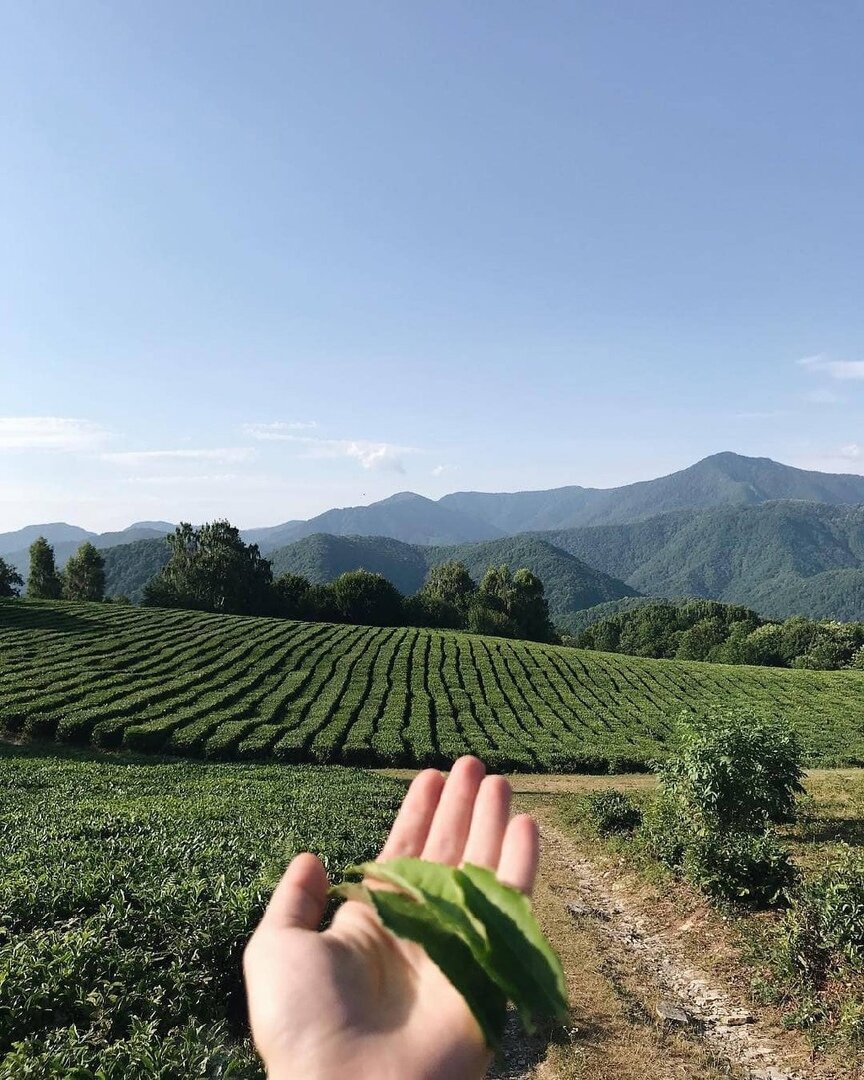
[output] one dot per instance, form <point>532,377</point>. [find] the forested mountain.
<point>781,558</point>
<point>725,479</point>
<point>405,516</point>
<point>323,557</point>
<point>569,583</point>
<point>141,531</point>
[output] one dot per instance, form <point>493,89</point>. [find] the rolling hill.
<point>225,686</point>
<point>780,558</point>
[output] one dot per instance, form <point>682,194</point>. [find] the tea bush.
<point>612,811</point>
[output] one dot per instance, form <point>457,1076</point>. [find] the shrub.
<point>736,774</point>
<point>612,811</point>
<point>741,867</point>
<point>824,926</point>
<point>736,770</point>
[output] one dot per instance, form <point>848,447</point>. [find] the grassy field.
<point>249,688</point>
<point>127,891</point>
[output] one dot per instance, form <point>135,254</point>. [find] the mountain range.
<point>746,530</point>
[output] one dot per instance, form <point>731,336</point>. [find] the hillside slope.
<point>570,583</point>
<point>235,687</point>
<point>724,479</point>
<point>405,516</point>
<point>779,558</point>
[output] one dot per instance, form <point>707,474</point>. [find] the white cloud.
<point>379,456</point>
<point>279,430</point>
<point>852,452</point>
<point>836,369</point>
<point>440,470</point>
<point>228,455</point>
<point>49,433</point>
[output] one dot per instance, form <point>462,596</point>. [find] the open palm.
<point>355,1002</point>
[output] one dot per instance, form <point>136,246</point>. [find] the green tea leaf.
<point>481,933</point>
<point>519,959</point>
<point>420,922</point>
<point>430,883</point>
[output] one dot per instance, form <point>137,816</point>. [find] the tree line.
<point>82,578</point>
<point>210,568</point>
<point>726,634</point>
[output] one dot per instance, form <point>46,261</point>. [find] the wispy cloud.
<point>50,433</point>
<point>765,414</point>
<point>440,470</point>
<point>852,452</point>
<point>380,456</point>
<point>278,431</point>
<point>836,369</point>
<point>226,455</point>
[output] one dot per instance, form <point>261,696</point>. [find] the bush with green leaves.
<point>824,926</point>
<point>736,775</point>
<point>735,770</point>
<point>739,867</point>
<point>612,811</point>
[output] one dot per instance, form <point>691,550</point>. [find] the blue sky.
<point>259,260</point>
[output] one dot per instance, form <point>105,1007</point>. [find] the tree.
<point>291,596</point>
<point>450,583</point>
<point>211,569</point>
<point>10,580</point>
<point>43,582</point>
<point>367,599</point>
<point>84,575</point>
<point>530,609</point>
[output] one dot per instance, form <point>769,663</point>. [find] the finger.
<point>449,829</point>
<point>298,901</point>
<point>411,826</point>
<point>520,853</point>
<point>491,811</point>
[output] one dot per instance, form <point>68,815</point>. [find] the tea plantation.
<point>127,893</point>
<point>234,687</point>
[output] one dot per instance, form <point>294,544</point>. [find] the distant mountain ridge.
<point>724,479</point>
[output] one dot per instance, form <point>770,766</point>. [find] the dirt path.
<point>645,1008</point>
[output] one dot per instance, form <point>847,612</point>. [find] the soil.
<point>655,985</point>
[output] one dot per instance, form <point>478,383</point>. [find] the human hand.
<point>354,1001</point>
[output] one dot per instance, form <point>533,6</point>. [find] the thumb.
<point>298,901</point>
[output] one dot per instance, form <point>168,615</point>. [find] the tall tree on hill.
<point>10,580</point>
<point>451,583</point>
<point>43,582</point>
<point>367,599</point>
<point>530,608</point>
<point>511,605</point>
<point>84,575</point>
<point>211,569</point>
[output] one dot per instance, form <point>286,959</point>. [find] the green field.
<point>236,687</point>
<point>127,893</point>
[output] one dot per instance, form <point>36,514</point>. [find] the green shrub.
<point>740,867</point>
<point>612,811</point>
<point>824,926</point>
<point>736,770</point>
<point>735,775</point>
